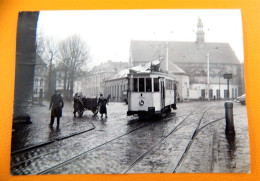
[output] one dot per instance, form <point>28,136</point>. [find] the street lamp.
<point>208,73</point>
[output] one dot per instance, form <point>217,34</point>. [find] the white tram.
<point>151,93</point>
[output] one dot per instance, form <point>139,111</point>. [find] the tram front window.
<point>135,88</point>
<point>156,84</point>
<point>148,85</point>
<point>141,84</point>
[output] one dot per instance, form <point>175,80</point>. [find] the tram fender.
<point>151,110</point>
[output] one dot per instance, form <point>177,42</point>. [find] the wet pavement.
<point>122,144</point>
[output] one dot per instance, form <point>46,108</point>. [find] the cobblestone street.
<point>122,144</point>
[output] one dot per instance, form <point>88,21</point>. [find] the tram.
<point>151,93</point>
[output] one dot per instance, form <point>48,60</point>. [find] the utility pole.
<point>208,72</point>
<point>167,57</point>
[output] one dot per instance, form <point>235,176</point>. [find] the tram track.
<point>92,149</point>
<point>59,138</point>
<point>194,135</point>
<point>110,141</point>
<point>89,150</point>
<point>75,157</point>
<point>175,128</point>
<point>156,144</point>
<point>190,142</point>
<point>78,156</point>
<point>48,143</point>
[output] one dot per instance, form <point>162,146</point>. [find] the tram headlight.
<point>141,102</point>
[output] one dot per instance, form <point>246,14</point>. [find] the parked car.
<point>241,99</point>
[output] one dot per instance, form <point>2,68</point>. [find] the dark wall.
<point>25,62</point>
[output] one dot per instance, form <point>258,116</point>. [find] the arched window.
<point>36,82</point>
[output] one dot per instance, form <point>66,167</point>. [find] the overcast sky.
<point>108,32</point>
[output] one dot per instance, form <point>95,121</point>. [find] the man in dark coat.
<point>78,103</point>
<point>56,106</point>
<point>102,105</point>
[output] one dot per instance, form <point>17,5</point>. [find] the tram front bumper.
<point>150,111</point>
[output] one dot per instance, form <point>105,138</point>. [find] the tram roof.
<point>142,70</point>
<point>153,73</point>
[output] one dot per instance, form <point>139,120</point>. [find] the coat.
<point>56,105</point>
<point>102,105</point>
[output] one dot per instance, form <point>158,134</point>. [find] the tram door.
<point>162,94</point>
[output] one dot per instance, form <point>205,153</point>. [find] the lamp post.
<point>208,73</point>
<point>219,85</point>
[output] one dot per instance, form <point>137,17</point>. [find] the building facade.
<point>40,79</point>
<point>193,58</point>
<point>94,83</point>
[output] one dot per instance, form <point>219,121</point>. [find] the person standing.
<point>102,105</point>
<point>56,106</point>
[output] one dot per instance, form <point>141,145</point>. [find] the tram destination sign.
<point>227,76</point>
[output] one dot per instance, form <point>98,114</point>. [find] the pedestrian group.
<point>57,104</point>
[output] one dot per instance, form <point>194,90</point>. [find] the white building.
<point>40,79</point>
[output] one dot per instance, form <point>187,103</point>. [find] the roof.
<point>39,61</point>
<point>182,52</point>
<point>175,69</point>
<point>146,68</point>
<point>109,66</point>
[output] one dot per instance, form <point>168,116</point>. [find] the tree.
<point>73,55</point>
<point>47,49</point>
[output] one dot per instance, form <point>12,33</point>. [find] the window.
<point>35,92</point>
<point>218,95</point>
<point>135,88</point>
<point>41,82</point>
<point>148,85</point>
<point>156,84</point>
<point>210,93</point>
<point>202,93</point>
<point>141,84</point>
<point>225,93</point>
<point>36,82</point>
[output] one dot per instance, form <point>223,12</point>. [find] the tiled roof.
<point>182,52</point>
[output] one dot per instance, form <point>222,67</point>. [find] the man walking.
<point>102,105</point>
<point>56,106</point>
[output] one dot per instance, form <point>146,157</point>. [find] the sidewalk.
<point>214,152</point>
<point>28,135</point>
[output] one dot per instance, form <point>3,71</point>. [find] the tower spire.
<point>200,33</point>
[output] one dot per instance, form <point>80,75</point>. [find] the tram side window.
<point>148,85</point>
<point>141,84</point>
<point>135,88</point>
<point>156,84</point>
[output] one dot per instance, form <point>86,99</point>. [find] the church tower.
<point>200,34</point>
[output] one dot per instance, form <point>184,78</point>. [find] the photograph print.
<point>129,91</point>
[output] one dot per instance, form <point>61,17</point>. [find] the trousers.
<point>52,121</point>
